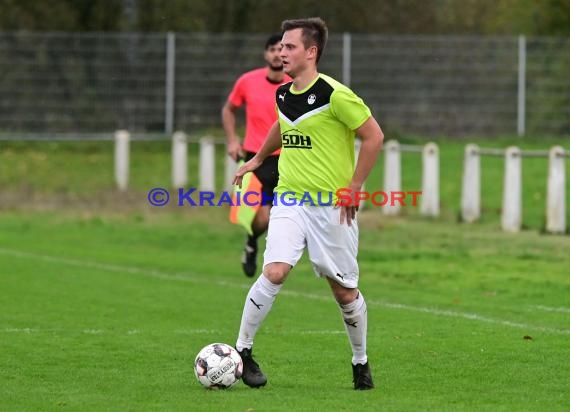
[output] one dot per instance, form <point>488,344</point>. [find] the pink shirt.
<point>258,94</point>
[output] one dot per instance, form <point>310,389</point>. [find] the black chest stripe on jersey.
<point>305,116</point>
<point>294,108</point>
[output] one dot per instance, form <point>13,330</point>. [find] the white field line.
<point>188,277</point>
<point>551,309</point>
<point>29,331</point>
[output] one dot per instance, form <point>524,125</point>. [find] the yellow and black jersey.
<point>317,135</point>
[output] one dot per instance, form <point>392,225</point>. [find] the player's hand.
<point>234,150</point>
<point>250,166</point>
<point>348,212</point>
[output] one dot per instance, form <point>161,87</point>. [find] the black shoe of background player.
<point>249,260</point>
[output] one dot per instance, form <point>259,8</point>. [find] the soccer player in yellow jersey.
<point>318,119</point>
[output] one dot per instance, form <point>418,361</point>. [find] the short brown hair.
<point>315,32</point>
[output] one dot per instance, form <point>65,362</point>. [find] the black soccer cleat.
<point>362,377</point>
<point>249,260</point>
<point>252,375</point>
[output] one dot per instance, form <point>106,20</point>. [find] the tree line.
<point>449,17</point>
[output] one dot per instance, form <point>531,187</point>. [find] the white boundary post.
<point>430,180</point>
<point>556,191</point>
<point>357,145</point>
<point>392,175</point>
<point>207,164</point>
<point>179,160</point>
<point>512,191</point>
<point>230,170</point>
<point>122,138</point>
<point>471,185</point>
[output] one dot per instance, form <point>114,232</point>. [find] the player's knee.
<point>344,296</point>
<point>276,272</point>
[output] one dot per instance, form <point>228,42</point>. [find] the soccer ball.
<point>218,366</point>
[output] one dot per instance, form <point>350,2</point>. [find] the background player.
<point>256,91</point>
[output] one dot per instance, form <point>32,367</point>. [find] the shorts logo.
<point>294,138</point>
<point>311,99</point>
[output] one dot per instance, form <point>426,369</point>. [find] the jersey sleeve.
<point>349,108</point>
<point>237,95</point>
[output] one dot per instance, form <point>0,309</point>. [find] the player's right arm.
<point>229,122</point>
<point>271,144</point>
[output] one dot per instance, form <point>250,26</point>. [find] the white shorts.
<point>332,247</point>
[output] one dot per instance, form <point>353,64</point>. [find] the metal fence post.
<point>346,56</point>
<point>169,86</point>
<point>521,107</point>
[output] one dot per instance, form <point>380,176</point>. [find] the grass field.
<point>106,300</point>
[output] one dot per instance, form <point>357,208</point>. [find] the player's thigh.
<point>332,246</point>
<point>285,236</point>
<point>261,218</point>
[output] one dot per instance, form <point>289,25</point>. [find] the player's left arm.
<point>372,139</point>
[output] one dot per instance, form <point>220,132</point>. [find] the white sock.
<point>356,322</point>
<point>257,305</point>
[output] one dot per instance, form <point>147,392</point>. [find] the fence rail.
<point>511,217</point>
<point>391,193</point>
<point>87,85</point>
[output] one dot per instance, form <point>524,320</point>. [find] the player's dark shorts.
<point>268,175</point>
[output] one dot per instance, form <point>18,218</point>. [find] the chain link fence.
<point>87,85</point>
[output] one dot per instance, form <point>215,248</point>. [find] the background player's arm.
<point>271,144</point>
<point>229,122</point>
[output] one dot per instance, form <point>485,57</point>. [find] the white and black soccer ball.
<point>218,366</point>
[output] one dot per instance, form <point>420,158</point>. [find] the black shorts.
<point>268,175</point>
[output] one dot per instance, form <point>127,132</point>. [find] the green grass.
<point>107,312</point>
<point>106,300</point>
